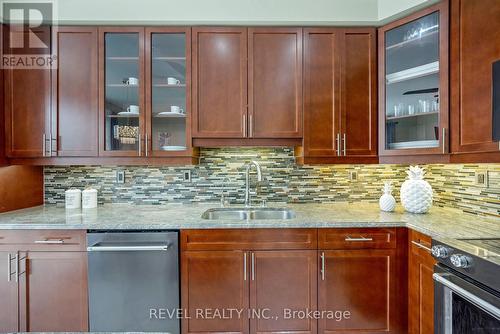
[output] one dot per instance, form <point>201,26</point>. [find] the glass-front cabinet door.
<point>415,86</point>
<point>167,97</point>
<point>121,97</point>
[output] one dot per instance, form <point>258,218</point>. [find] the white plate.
<point>171,114</point>
<point>173,148</point>
<point>128,113</point>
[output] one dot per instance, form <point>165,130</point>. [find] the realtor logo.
<point>26,34</point>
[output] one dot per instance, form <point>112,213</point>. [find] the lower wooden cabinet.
<point>420,284</point>
<point>8,295</point>
<point>215,280</point>
<point>357,286</point>
<point>46,290</point>
<point>284,284</point>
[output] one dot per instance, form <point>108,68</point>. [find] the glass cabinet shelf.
<point>413,73</point>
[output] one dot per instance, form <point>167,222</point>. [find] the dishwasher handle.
<point>127,248</point>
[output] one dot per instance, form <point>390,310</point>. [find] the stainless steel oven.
<point>466,290</point>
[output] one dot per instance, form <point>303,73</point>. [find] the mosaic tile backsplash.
<point>220,171</point>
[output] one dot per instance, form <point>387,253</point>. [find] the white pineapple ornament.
<point>416,193</point>
<point>387,202</point>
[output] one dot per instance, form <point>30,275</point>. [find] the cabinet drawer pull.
<point>444,141</point>
<point>146,143</point>
<point>244,125</point>
<point>339,151</point>
<point>50,241</point>
<point>348,238</point>
<point>9,267</point>
<point>419,245</point>
<point>250,125</point>
<point>16,258</point>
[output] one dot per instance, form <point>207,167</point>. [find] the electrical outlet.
<point>481,178</point>
<point>353,175</point>
<point>186,174</point>
<point>120,176</point>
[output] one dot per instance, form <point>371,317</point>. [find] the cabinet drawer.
<point>357,238</point>
<point>420,244</point>
<point>43,240</point>
<point>251,239</point>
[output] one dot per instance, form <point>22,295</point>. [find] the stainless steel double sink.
<point>248,213</point>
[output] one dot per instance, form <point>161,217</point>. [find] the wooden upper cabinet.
<point>358,92</point>
<point>414,85</point>
<point>360,286</point>
<point>475,46</point>
<point>420,284</point>
<point>322,92</point>
<point>27,110</point>
<point>215,280</point>
<point>219,82</point>
<point>75,92</point>
<point>122,91</point>
<point>282,281</point>
<point>275,82</point>
<point>340,94</point>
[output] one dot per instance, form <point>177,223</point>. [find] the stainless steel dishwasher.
<point>133,281</point>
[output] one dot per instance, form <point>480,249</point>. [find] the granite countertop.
<point>439,222</point>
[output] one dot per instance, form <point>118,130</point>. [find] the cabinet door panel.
<point>214,280</point>
<point>27,102</point>
<point>275,82</point>
<point>8,295</point>
<point>362,283</point>
<point>420,286</point>
<point>219,82</point>
<point>283,280</point>
<point>321,92</point>
<point>53,292</point>
<point>358,107</point>
<point>75,89</point>
<point>475,45</point>
<point>27,112</point>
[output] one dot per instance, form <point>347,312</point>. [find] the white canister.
<point>89,198</point>
<point>73,198</point>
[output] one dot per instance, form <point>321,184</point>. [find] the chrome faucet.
<point>248,166</point>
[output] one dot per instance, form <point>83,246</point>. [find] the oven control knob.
<point>461,261</point>
<point>440,252</point>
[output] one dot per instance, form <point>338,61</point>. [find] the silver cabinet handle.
<point>348,238</point>
<point>126,248</point>
<point>9,267</point>
<point>250,125</point>
<point>244,125</point>
<point>44,143</point>
<point>146,143</point>
<point>322,266</point>
<point>139,143</point>
<point>55,144</point>
<point>345,145</point>
<point>50,241</point>
<point>253,266</point>
<point>245,266</point>
<point>339,151</point>
<point>16,258</point>
<point>444,140</point>
<point>419,245</point>
<point>462,291</point>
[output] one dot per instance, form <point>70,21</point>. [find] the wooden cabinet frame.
<point>443,149</point>
<point>102,90</point>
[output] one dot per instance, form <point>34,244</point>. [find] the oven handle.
<point>462,291</point>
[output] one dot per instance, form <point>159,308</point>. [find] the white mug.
<point>176,109</point>
<point>131,81</point>
<point>173,81</point>
<point>133,109</point>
